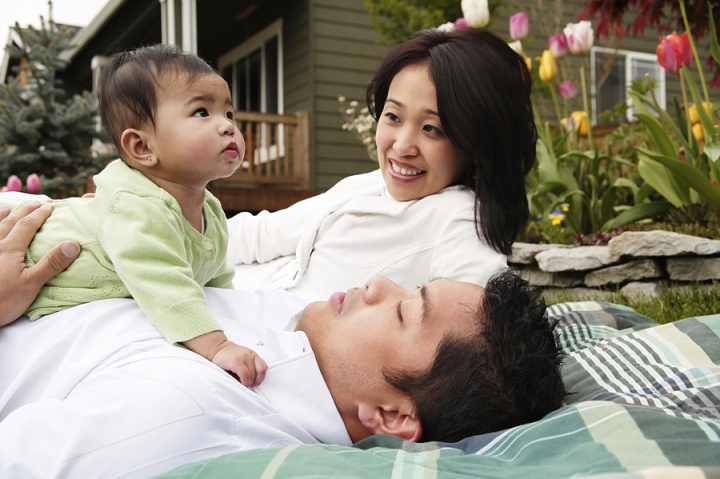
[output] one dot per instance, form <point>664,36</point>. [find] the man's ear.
<point>399,421</point>
<point>135,144</point>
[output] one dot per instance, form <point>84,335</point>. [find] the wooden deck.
<point>275,172</point>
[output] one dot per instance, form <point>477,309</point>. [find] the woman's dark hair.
<point>483,97</point>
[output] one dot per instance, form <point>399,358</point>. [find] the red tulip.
<point>33,183</point>
<point>674,51</point>
<point>14,183</point>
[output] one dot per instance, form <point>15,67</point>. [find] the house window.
<point>253,70</point>
<point>612,73</point>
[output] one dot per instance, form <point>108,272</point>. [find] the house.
<point>288,61</point>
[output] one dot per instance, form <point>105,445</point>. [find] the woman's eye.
<point>201,112</point>
<point>392,117</point>
<point>399,311</point>
<point>433,130</point>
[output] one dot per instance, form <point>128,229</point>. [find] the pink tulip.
<point>519,26</point>
<point>33,183</point>
<point>674,51</point>
<point>580,37</point>
<point>558,45</point>
<point>14,183</point>
<point>461,23</point>
<point>568,89</point>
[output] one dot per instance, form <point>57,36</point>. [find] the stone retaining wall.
<point>633,263</point>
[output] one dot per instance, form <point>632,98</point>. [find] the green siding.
<point>346,54</point>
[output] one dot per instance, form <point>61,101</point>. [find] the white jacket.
<point>356,230</point>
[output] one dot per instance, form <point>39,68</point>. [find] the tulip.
<point>579,36</point>
<point>674,51</point>
<point>461,23</point>
<point>568,89</point>
<point>33,183</point>
<point>558,45</point>
<point>693,115</point>
<point>519,26</point>
<point>579,122</point>
<point>517,47</point>
<point>14,183</point>
<point>698,131</point>
<point>476,12</point>
<point>528,63</point>
<point>548,67</point>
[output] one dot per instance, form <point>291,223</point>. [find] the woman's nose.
<point>405,143</point>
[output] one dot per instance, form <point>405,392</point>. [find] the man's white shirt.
<point>95,390</point>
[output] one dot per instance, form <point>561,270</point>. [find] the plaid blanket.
<point>644,403</point>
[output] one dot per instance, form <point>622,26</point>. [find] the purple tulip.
<point>14,183</point>
<point>519,26</point>
<point>568,89</point>
<point>558,45</point>
<point>33,183</point>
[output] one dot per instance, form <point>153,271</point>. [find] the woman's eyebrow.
<point>426,303</point>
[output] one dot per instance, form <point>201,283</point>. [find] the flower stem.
<point>586,102</point>
<point>694,50</point>
<point>555,101</point>
<point>685,104</point>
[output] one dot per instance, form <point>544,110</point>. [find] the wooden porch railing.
<point>276,169</point>
<point>277,149</point>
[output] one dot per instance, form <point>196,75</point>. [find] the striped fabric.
<point>644,403</point>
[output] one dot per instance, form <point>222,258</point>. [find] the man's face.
<point>358,334</point>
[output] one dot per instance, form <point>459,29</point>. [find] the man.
<point>443,362</point>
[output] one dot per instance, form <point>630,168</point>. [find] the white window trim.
<point>629,54</point>
<point>256,42</point>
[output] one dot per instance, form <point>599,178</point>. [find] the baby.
<point>153,231</point>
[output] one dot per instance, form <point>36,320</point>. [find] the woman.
<point>455,139</point>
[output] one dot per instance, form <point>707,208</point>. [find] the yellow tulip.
<point>548,67</point>
<point>698,132</point>
<point>528,63</point>
<point>580,122</point>
<point>693,115</point>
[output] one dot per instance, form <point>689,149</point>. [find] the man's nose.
<point>380,288</point>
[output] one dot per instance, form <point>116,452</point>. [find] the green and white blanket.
<point>645,403</point>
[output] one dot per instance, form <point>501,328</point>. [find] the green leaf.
<point>660,137</point>
<point>697,99</point>
<point>714,46</point>
<point>659,178</point>
<point>637,213</point>
<point>692,177</point>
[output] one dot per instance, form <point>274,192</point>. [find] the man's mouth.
<point>336,301</point>
<point>405,170</point>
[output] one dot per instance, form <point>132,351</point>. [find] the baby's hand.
<point>244,362</point>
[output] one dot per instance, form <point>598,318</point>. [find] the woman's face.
<point>415,156</point>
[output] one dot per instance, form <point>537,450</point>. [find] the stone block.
<point>661,243</point>
<point>622,273</point>
<point>693,269</point>
<point>579,258</point>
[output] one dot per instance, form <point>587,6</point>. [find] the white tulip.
<point>580,37</point>
<point>475,12</point>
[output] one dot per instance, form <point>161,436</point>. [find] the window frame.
<point>629,55</point>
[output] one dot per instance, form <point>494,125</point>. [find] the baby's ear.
<point>135,144</point>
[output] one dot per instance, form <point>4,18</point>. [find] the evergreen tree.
<point>42,131</point>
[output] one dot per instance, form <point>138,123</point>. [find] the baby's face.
<point>195,138</point>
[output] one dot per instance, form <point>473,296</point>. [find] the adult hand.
<point>19,285</point>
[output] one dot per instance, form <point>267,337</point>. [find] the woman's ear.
<point>397,420</point>
<point>136,147</point>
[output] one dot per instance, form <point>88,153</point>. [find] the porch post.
<point>189,26</point>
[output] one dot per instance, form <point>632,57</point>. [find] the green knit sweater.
<point>136,242</point>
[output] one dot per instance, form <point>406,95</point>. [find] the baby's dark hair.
<point>127,89</point>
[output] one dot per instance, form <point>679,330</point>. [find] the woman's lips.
<point>336,301</point>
